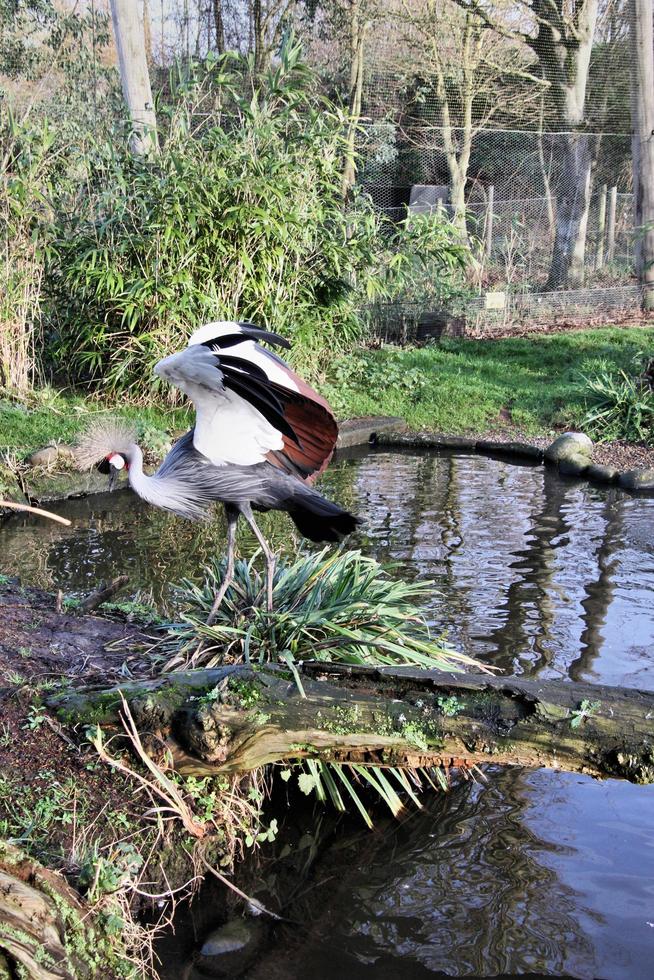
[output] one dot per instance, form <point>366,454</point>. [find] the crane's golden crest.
<point>103,438</point>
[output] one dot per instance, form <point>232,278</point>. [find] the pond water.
<point>535,871</point>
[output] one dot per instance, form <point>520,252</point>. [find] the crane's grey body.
<point>187,483</point>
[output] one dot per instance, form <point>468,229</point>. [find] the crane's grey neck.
<point>138,481</point>
<point>173,486</point>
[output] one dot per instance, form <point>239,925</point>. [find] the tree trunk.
<point>234,719</point>
<point>642,121</point>
<point>568,256</point>
<point>563,49</point>
<point>259,37</point>
<point>130,42</point>
<point>219,26</point>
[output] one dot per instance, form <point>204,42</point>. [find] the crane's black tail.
<point>319,519</point>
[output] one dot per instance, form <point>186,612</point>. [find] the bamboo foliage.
<point>22,205</point>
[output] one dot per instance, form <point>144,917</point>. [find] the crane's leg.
<point>232,520</point>
<point>268,552</point>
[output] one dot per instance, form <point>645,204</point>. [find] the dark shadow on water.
<point>531,874</point>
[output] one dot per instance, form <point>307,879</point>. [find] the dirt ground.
<point>43,651</point>
<point>39,643</point>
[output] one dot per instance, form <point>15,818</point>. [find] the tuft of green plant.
<point>341,784</point>
<point>585,710</point>
<point>333,607</point>
<point>619,406</point>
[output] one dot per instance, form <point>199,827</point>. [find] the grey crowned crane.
<point>261,436</point>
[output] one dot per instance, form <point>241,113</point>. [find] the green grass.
<point>458,386</point>
<point>463,386</point>
<point>49,416</point>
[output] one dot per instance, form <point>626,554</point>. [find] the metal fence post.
<point>601,228</point>
<point>610,235</point>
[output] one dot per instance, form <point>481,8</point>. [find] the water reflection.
<point>533,873</point>
<point>538,575</point>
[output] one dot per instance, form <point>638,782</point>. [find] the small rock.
<point>44,457</point>
<point>575,464</point>
<point>602,474</point>
<point>568,445</point>
<point>638,479</point>
<point>230,949</point>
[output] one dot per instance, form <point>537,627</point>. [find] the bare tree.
<point>473,73</point>
<point>560,33</point>
<point>642,116</point>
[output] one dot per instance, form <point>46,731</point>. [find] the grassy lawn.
<point>468,386</point>
<point>48,416</point>
<point>459,386</point>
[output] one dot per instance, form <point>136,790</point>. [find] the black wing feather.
<point>253,332</point>
<point>260,398</point>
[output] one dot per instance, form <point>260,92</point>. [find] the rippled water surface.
<point>539,872</point>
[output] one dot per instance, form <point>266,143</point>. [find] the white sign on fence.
<point>495,301</point>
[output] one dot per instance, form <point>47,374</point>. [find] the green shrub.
<point>619,406</point>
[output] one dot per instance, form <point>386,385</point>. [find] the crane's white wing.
<point>249,405</point>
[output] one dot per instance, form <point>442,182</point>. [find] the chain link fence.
<point>515,184</point>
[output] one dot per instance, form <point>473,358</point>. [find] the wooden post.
<point>642,127</point>
<point>488,247</point>
<point>601,228</point>
<point>130,42</point>
<point>610,234</point>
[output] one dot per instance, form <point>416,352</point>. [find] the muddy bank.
<point>100,831</point>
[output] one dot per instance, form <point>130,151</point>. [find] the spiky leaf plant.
<point>619,406</point>
<point>332,607</point>
<point>339,607</point>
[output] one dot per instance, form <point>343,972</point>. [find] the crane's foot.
<point>220,595</point>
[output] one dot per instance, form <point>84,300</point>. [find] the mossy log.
<point>45,930</point>
<point>235,719</point>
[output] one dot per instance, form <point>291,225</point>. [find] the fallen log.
<point>45,928</point>
<point>237,718</point>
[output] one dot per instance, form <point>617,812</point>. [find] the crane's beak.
<point>113,479</point>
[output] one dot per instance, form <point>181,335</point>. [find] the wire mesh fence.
<point>515,188</point>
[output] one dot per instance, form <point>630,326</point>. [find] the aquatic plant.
<point>332,607</point>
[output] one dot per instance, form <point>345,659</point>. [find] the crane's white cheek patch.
<point>117,461</point>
